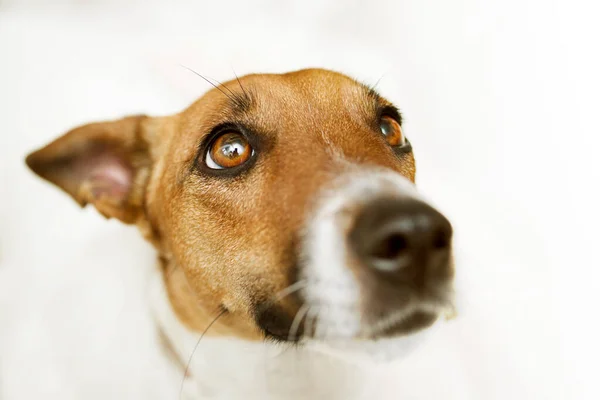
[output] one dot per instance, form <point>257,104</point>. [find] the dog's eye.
<point>228,150</point>
<point>392,131</point>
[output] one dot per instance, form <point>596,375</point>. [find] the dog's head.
<point>284,203</point>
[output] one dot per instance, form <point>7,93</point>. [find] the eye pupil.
<point>228,150</point>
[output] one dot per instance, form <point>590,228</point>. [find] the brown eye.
<point>392,131</point>
<point>228,150</point>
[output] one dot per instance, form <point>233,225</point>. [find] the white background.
<point>501,101</point>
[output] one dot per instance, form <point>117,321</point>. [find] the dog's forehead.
<point>278,98</point>
<point>317,85</point>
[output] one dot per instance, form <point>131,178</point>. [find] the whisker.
<point>225,86</point>
<point>374,86</point>
<point>240,83</point>
<point>211,83</point>
<point>187,367</point>
<point>297,321</point>
<point>277,297</point>
<point>310,319</point>
<point>322,330</point>
<point>294,287</point>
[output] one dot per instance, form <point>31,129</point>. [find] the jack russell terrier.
<point>287,226</point>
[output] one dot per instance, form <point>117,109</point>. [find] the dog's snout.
<point>403,237</point>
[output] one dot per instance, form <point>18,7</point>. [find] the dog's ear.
<point>106,164</point>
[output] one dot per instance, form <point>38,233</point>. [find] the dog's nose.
<point>401,237</point>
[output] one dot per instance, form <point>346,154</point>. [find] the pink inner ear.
<point>107,174</point>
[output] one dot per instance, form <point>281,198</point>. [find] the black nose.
<point>402,237</point>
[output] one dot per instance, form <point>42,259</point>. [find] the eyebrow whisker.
<point>212,84</point>
<point>374,86</point>
<point>225,86</point>
<point>240,83</point>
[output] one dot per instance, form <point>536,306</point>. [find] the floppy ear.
<point>106,164</point>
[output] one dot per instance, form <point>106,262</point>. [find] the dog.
<point>287,225</point>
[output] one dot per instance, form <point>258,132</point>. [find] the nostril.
<point>441,240</point>
<point>400,235</point>
<point>391,247</point>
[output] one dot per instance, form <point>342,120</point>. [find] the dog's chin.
<point>384,342</point>
<point>374,350</point>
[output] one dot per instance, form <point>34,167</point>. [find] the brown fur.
<point>228,242</point>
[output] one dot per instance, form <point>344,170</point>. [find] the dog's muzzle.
<point>378,260</point>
